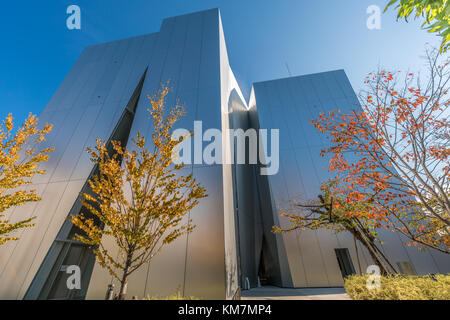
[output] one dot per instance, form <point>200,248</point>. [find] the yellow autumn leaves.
<point>19,162</point>
<point>138,198</point>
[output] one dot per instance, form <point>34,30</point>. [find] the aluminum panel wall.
<point>288,104</point>
<point>186,52</point>
<point>233,224</point>
<point>81,110</point>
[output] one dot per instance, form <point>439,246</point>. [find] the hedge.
<point>400,287</point>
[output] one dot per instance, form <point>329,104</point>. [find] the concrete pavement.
<point>276,293</point>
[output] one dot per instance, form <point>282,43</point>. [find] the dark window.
<point>56,285</point>
<point>345,262</point>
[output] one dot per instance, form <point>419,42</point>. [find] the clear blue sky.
<point>262,35</point>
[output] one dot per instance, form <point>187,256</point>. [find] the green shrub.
<point>400,287</point>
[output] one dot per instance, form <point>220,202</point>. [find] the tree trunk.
<point>384,257</point>
<point>357,256</point>
<point>384,270</point>
<point>377,250</point>
<point>124,281</point>
<point>123,287</point>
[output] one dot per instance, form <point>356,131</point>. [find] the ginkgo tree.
<point>139,197</point>
<point>394,153</point>
<point>20,157</point>
<point>436,14</point>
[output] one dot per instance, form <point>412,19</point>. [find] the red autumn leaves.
<point>393,155</point>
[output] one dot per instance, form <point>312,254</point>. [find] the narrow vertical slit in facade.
<point>345,262</point>
<point>262,276</point>
<point>50,280</point>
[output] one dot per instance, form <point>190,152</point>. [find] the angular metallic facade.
<point>104,96</point>
<point>289,104</point>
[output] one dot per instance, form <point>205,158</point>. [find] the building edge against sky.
<point>104,96</point>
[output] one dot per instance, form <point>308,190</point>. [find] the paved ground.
<point>276,293</point>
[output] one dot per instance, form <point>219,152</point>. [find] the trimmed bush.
<point>400,287</point>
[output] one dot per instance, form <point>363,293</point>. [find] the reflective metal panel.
<point>288,104</point>
<point>232,246</point>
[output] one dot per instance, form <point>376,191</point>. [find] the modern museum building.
<point>232,248</point>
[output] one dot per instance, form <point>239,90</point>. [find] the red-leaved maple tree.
<point>393,155</point>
